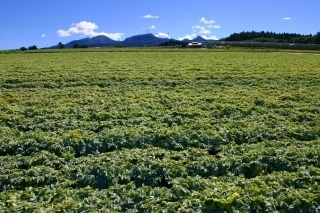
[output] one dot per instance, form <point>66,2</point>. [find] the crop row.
<point>174,131</point>
<point>214,178</point>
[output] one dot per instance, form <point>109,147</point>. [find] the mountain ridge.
<point>134,41</point>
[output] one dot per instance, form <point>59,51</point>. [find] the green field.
<point>129,130</point>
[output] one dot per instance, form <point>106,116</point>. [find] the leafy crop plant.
<point>159,130</point>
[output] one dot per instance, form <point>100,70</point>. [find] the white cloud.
<point>213,26</point>
<point>43,35</point>
<point>199,27</point>
<point>204,31</point>
<point>209,37</point>
<point>190,37</point>
<point>149,16</point>
<point>87,29</point>
<point>163,35</point>
<point>152,27</point>
<point>203,20</point>
<point>287,19</point>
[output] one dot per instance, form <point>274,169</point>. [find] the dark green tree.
<point>34,47</point>
<point>80,46</point>
<point>23,48</point>
<point>317,38</point>
<point>272,37</point>
<point>60,45</point>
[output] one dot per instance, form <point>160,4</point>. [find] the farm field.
<point>159,131</point>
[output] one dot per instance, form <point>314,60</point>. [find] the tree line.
<point>274,37</point>
<point>173,43</point>
<point>60,46</point>
<point>33,47</point>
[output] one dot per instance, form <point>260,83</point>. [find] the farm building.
<point>195,45</point>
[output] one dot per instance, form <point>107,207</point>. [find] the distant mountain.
<point>186,40</point>
<point>93,42</point>
<point>196,39</point>
<point>143,40</point>
<point>199,39</point>
<point>133,41</point>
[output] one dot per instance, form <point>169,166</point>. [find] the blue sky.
<point>47,22</point>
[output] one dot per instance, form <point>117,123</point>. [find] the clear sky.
<point>47,22</point>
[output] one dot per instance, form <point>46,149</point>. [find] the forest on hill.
<point>274,37</point>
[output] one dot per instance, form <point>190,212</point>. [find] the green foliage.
<point>80,46</point>
<point>60,45</point>
<point>8,51</point>
<point>125,130</point>
<point>23,48</point>
<point>33,47</point>
<point>273,37</point>
<point>317,38</point>
<point>174,43</point>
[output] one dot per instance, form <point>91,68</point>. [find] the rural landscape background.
<point>200,121</point>
<point>45,24</point>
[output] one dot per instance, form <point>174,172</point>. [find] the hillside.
<point>196,39</point>
<point>95,41</point>
<point>274,37</point>
<point>143,40</point>
<point>133,41</point>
